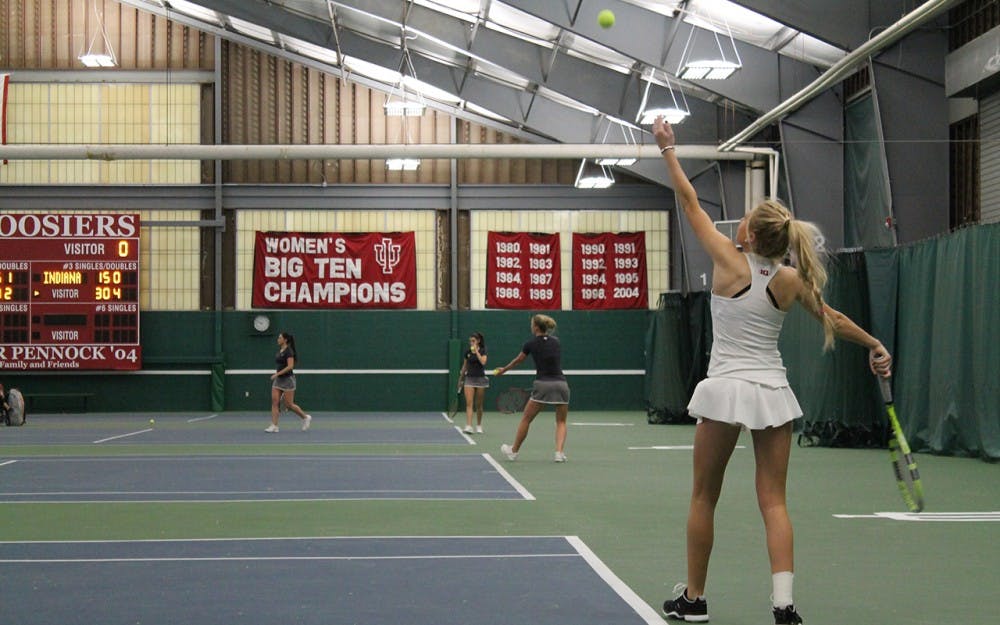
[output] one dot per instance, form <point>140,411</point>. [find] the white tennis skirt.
<point>739,402</point>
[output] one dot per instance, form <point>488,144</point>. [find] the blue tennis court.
<point>236,428</point>
<point>253,478</point>
<point>363,581</point>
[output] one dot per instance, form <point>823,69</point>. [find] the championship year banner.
<point>522,271</point>
<point>609,271</point>
<point>333,270</point>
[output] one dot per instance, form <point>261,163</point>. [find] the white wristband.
<point>664,149</point>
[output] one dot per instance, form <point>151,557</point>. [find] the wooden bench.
<point>31,398</point>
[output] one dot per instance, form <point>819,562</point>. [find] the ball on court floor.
<point>606,18</point>
<point>152,421</point>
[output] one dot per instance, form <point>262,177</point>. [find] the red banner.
<point>609,271</point>
<point>331,270</point>
<point>522,271</point>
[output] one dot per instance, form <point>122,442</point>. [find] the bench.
<point>30,399</point>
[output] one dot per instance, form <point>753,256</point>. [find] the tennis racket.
<point>512,400</point>
<point>903,465</point>
<point>15,415</point>
<point>458,396</point>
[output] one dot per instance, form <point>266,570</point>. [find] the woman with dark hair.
<point>476,382</point>
<point>747,387</point>
<point>283,383</point>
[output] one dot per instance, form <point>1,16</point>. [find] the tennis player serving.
<point>752,290</point>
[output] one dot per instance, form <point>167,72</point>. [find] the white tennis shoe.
<point>508,451</point>
<point>307,422</point>
<point>560,457</point>
<point>272,429</point>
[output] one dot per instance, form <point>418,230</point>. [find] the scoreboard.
<point>69,292</point>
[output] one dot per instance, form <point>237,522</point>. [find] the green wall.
<point>179,349</point>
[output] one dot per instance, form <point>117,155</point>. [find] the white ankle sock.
<point>781,589</point>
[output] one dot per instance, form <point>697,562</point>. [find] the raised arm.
<point>718,245</point>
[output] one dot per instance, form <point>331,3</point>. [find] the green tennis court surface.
<point>623,493</point>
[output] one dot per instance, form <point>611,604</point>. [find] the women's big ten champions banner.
<point>330,270</point>
<point>522,271</point>
<point>609,270</point>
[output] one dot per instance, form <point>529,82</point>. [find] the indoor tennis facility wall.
<point>350,360</point>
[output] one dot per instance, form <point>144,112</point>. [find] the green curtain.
<point>835,389</point>
<point>677,345</point>
<point>931,304</point>
<point>946,378</point>
<point>867,200</point>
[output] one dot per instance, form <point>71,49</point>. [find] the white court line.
<point>111,438</point>
<point>946,517</point>
<point>641,608</point>
<point>510,478</point>
<point>675,447</point>
<point>485,556</point>
<point>3,464</point>
<point>447,418</point>
<point>608,425</point>
<point>211,416</point>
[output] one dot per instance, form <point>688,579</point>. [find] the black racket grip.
<point>885,385</point>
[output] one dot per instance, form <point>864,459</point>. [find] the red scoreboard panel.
<point>69,292</point>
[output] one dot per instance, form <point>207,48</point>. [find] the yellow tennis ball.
<point>606,18</point>
<point>496,371</point>
<point>152,421</point>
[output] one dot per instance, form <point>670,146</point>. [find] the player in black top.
<point>549,387</point>
<point>476,382</point>
<point>283,383</point>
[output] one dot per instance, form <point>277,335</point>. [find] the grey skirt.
<point>550,391</point>
<point>480,382</point>
<point>286,383</point>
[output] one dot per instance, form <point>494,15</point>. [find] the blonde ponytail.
<point>802,238</point>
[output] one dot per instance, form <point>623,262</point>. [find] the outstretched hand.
<point>663,132</point>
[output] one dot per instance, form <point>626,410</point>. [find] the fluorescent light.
<point>621,162</point>
<point>593,176</point>
<point>400,108</point>
<point>402,164</point>
<point>97,60</point>
<point>712,69</point>
<point>672,115</point>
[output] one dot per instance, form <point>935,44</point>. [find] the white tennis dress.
<point>746,383</point>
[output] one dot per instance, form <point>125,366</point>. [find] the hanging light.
<point>674,111</point>
<point>90,58</point>
<point>402,102</point>
<point>593,176</point>
<point>402,164</point>
<point>629,140</point>
<point>717,67</point>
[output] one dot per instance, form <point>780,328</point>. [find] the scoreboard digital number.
<point>69,292</point>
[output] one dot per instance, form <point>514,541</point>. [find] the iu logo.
<point>765,272</point>
<point>387,254</point>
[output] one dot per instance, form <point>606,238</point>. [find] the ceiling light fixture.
<point>716,66</point>
<point>90,58</point>
<point>629,140</point>
<point>593,176</point>
<point>674,112</point>
<point>402,164</point>
<point>400,102</point>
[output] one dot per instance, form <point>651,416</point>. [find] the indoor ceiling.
<point>542,70</point>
